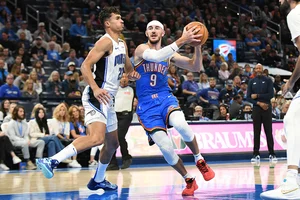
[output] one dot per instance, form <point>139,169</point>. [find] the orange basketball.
<point>203,31</point>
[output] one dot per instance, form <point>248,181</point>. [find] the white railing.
<point>32,13</point>
<point>52,26</point>
<point>13,3</point>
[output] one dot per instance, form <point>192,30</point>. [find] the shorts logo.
<point>92,112</point>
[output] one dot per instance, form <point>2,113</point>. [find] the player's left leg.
<point>177,120</point>
<point>111,143</point>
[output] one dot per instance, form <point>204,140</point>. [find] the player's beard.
<point>154,41</point>
<point>285,7</point>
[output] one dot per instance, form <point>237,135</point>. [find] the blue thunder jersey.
<point>155,99</point>
<point>153,79</point>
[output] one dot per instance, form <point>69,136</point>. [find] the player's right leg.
<point>290,189</point>
<point>162,140</point>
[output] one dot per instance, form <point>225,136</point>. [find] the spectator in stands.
<point>265,32</point>
<point>174,80</point>
<point>266,73</point>
<point>53,54</point>
<point>237,83</point>
<point>39,130</point>
<point>54,40</point>
<point>22,41</point>
<point>35,107</point>
<point>8,90</point>
<point>277,83</point>
<point>3,72</point>
<point>8,59</point>
<point>212,70</point>
<point>275,110</point>
<point>8,116</point>
<point>15,70</point>
<point>20,136</point>
<point>51,13</point>
<point>224,115</point>
<point>252,43</point>
<point>41,32</point>
<point>142,22</point>
<point>24,29</point>
<point>6,42</point>
<point>65,51</point>
<point>209,97</point>
<point>59,124</point>
<point>198,112</point>
<point>223,72</point>
<point>245,113</point>
<point>190,89</point>
<point>243,90</point>
<point>127,5</point>
<point>206,59</point>
<point>72,58</point>
<point>28,90</point>
<point>6,149</point>
<point>24,55</point>
<point>4,7</point>
<point>247,70</point>
<point>38,68</point>
<point>38,52</point>
<point>89,28</point>
<point>21,79</point>
<point>17,18</point>
<point>230,60</point>
<point>203,81</point>
<point>129,21</point>
<point>4,108</point>
<point>64,8</point>
<point>235,72</point>
<point>78,29</point>
<point>77,128</point>
<point>65,21</point>
<point>144,6</point>
<point>285,108</point>
<point>227,93</point>
<point>53,83</point>
<point>235,106</point>
<point>266,15</point>
<point>11,33</point>
<point>4,17</point>
<point>37,85</point>
<point>70,85</point>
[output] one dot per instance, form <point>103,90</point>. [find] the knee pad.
<point>163,142</point>
<point>177,120</point>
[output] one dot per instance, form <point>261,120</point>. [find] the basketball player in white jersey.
<point>290,188</point>
<point>102,70</point>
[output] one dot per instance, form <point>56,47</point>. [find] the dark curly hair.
<point>106,13</point>
<point>15,115</point>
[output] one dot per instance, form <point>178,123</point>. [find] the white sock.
<point>292,172</point>
<point>100,172</point>
<point>67,152</point>
<point>187,176</point>
<point>198,157</point>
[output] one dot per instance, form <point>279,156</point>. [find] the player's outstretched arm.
<point>102,46</point>
<point>144,52</point>
<point>296,73</point>
<point>131,73</point>
<point>193,64</point>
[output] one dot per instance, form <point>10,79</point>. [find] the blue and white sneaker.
<point>105,185</point>
<point>46,165</point>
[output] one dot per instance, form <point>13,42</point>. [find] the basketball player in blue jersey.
<point>290,189</point>
<point>158,108</point>
<point>102,70</point>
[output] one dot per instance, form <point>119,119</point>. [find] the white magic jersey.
<point>293,21</point>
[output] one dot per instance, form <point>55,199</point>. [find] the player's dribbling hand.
<point>133,76</point>
<point>286,88</point>
<point>102,95</point>
<point>190,36</point>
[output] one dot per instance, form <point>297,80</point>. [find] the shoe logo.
<point>288,191</point>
